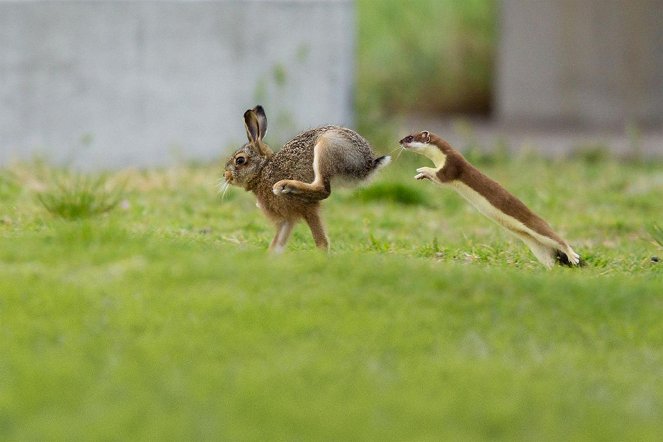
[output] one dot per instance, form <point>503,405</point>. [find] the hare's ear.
<point>262,120</point>
<point>255,131</point>
<point>252,126</point>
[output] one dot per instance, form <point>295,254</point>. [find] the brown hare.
<point>290,183</point>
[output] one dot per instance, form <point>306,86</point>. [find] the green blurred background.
<point>425,56</point>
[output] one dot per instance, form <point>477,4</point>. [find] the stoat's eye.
<point>240,160</point>
<point>409,139</point>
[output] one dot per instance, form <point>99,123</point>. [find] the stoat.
<point>490,198</point>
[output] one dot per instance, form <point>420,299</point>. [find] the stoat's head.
<point>421,144</point>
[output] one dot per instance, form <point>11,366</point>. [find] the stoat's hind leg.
<point>550,251</point>
<point>568,258</point>
<point>545,254</point>
<point>562,258</point>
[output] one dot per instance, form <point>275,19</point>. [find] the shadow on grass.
<point>392,192</point>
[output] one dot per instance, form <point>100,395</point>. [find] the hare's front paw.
<point>282,187</point>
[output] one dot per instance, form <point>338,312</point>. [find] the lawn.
<point>163,318</point>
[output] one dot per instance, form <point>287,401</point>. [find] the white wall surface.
<point>589,62</point>
<point>107,84</point>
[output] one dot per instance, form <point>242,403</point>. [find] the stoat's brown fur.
<point>490,198</point>
<point>290,184</point>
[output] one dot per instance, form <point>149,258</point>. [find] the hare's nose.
<point>228,175</point>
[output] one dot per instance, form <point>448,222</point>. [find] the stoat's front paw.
<point>283,187</point>
<point>426,173</point>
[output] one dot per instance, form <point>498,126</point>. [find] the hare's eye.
<point>240,160</point>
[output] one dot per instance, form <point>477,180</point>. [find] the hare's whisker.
<point>220,184</point>
<point>226,185</point>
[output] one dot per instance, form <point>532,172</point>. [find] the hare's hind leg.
<point>283,230</point>
<point>319,188</point>
<point>312,218</point>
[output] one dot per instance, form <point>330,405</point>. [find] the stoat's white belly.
<point>507,221</point>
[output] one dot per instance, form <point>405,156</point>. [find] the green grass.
<point>656,232</point>
<point>164,318</point>
<point>77,196</point>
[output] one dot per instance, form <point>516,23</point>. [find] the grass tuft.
<point>431,250</point>
<point>592,153</point>
<point>656,233</point>
<point>80,196</point>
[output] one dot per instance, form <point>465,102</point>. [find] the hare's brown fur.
<point>290,183</point>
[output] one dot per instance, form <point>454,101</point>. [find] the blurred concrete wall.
<point>104,84</point>
<point>590,62</point>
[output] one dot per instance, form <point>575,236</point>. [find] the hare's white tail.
<point>378,163</point>
<point>381,162</point>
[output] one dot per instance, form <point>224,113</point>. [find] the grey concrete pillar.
<point>586,62</point>
<point>118,83</point>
